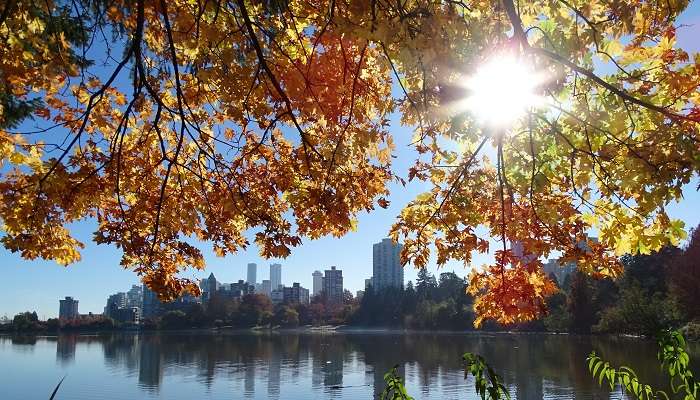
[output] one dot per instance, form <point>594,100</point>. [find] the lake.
<point>307,365</point>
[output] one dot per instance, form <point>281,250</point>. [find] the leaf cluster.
<point>487,382</point>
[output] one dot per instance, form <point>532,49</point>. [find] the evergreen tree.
<point>580,304</point>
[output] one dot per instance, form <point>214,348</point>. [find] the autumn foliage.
<point>170,121</point>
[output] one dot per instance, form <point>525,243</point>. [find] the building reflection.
<point>249,381</point>
<point>150,364</point>
<point>65,349</point>
<point>278,366</point>
<point>274,373</point>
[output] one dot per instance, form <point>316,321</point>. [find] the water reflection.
<point>65,349</point>
<point>344,366</point>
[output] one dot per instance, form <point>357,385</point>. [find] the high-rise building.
<point>235,290</point>
<point>333,285</point>
<point>114,303</point>
<point>277,295</point>
<point>152,307</point>
<point>296,294</point>
<point>386,265</point>
<point>266,288</point>
<point>209,287</point>
<point>318,283</point>
<point>560,271</point>
<point>368,283</point>
<point>134,297</point>
<point>275,276</point>
<point>252,273</point>
<point>68,308</point>
<point>126,314</point>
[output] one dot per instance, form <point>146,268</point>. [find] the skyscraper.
<point>386,265</point>
<point>134,297</point>
<point>68,308</point>
<point>318,283</point>
<point>152,307</point>
<point>333,285</point>
<point>210,286</point>
<point>114,303</point>
<point>252,273</point>
<point>275,276</point>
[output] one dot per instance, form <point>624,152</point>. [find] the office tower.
<point>252,273</point>
<point>275,276</point>
<point>318,283</point>
<point>333,285</point>
<point>68,308</point>
<point>386,265</point>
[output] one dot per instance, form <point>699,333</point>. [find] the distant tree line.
<point>257,310</point>
<point>656,291</point>
<point>29,322</point>
<point>431,304</point>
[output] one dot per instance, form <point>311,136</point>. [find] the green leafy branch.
<point>674,361</point>
<point>395,389</point>
<point>623,376</point>
<point>489,386</point>
<point>488,383</point>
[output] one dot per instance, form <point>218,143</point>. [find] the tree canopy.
<point>169,121</point>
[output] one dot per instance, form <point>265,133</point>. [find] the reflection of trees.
<point>24,340</point>
<point>524,361</point>
<point>121,352</point>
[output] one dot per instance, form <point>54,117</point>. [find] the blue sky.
<point>37,285</point>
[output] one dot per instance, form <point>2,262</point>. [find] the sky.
<point>38,285</point>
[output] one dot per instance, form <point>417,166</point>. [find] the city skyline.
<point>295,270</point>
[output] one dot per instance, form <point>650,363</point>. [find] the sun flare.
<point>502,90</point>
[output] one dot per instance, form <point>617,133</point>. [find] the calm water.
<point>304,366</point>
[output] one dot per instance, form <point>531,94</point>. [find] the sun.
<point>502,90</point>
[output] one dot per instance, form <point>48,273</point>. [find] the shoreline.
<point>318,330</point>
